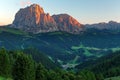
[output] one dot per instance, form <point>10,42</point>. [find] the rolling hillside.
<point>61,47</point>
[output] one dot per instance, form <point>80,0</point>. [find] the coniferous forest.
<point>17,65</point>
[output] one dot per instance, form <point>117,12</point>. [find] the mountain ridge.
<point>34,19</point>
<point>111,25</point>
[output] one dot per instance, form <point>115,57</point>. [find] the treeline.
<point>108,66</point>
<point>19,66</point>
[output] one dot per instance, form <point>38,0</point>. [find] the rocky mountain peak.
<point>66,18</point>
<point>34,19</point>
<point>37,11</point>
<point>112,22</point>
<point>67,23</point>
<point>36,8</point>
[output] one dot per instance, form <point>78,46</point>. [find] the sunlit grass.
<point>2,78</point>
<point>12,30</point>
<point>113,78</point>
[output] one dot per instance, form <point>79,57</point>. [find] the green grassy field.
<point>113,78</point>
<point>2,78</point>
<point>87,53</point>
<point>12,30</point>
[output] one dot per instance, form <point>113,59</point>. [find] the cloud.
<point>23,3</point>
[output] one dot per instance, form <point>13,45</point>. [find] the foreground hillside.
<point>14,62</point>
<point>108,65</point>
<point>20,66</point>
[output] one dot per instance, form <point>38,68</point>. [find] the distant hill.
<point>111,26</point>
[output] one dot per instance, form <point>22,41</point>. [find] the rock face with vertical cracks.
<point>34,19</point>
<point>67,23</point>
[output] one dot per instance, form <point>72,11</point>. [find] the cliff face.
<point>67,23</point>
<point>34,19</point>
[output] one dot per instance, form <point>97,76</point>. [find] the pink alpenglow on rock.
<point>34,19</point>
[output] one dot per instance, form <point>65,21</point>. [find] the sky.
<point>85,11</point>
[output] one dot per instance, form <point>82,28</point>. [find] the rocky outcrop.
<point>67,23</point>
<point>34,19</point>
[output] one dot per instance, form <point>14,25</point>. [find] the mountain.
<point>34,19</point>
<point>67,23</point>
<point>111,25</point>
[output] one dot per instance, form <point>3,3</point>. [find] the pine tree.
<point>79,77</point>
<point>4,63</point>
<point>24,68</point>
<point>41,72</point>
<point>87,75</point>
<point>99,76</point>
<point>54,75</point>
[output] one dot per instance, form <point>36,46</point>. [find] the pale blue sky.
<point>85,11</point>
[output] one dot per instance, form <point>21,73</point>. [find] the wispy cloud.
<point>23,3</point>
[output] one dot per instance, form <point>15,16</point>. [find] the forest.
<point>16,65</point>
